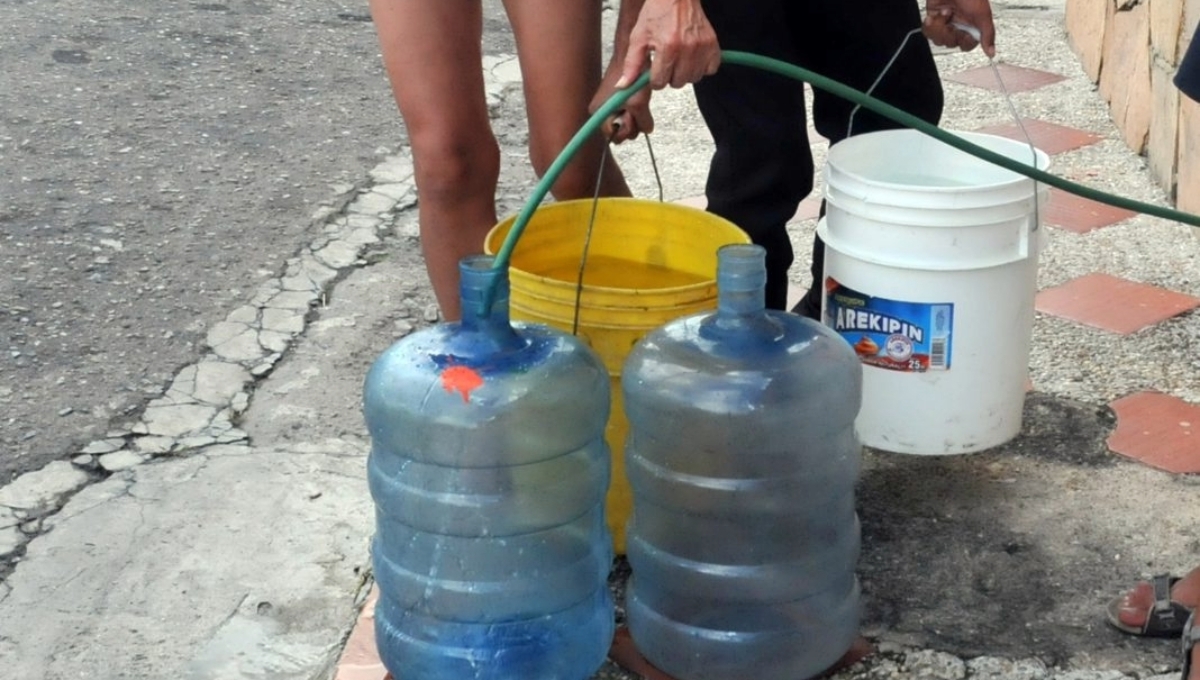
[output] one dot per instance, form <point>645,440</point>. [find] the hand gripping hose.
<point>794,72</point>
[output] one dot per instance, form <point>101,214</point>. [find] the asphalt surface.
<point>160,161</point>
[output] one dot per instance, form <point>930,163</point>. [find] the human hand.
<point>633,118</point>
<point>682,40</point>
<point>941,15</point>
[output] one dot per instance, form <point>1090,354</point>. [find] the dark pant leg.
<point>762,167</point>
<point>852,42</point>
<point>1187,77</point>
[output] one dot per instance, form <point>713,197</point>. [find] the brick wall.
<point>1131,49</point>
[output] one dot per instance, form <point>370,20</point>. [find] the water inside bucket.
<point>614,272</point>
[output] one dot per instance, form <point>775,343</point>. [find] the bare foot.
<point>1137,603</point>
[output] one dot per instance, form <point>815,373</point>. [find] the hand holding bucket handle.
<point>673,40</point>
<point>965,24</point>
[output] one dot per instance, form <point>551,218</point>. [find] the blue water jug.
<point>488,469</point>
<point>742,457</point>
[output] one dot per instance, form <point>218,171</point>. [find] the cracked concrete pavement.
<point>224,533</point>
<point>221,536</point>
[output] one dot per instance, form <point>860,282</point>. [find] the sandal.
<point>1191,638</point>
<point>1166,618</point>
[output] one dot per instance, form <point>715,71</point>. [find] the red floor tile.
<point>1080,215</point>
<point>1113,304</point>
<point>1158,430</point>
<point>795,294</point>
<point>626,655</point>
<point>809,209</point>
<point>1016,78</point>
<point>360,659</point>
<point>1048,137</point>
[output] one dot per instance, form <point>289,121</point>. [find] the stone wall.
<point>1131,49</point>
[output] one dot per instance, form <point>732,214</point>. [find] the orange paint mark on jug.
<point>461,379</point>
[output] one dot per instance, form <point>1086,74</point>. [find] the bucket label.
<point>914,337</point>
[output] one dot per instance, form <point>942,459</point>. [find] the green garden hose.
<point>794,72</point>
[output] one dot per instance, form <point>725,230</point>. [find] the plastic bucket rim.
<point>736,235</point>
<point>1043,163</point>
<point>921,217</point>
<point>843,247</point>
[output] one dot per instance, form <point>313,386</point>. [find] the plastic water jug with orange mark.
<point>488,469</point>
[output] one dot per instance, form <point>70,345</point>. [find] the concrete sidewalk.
<point>223,533</point>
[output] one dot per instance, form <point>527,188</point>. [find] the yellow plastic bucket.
<point>648,263</point>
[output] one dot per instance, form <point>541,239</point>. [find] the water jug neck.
<point>741,281</point>
<point>476,277</point>
<point>741,315</point>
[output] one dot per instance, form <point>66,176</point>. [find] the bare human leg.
<point>559,49</point>
<point>1136,604</point>
<point>433,58</point>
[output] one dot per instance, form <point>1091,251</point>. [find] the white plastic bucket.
<point>930,273</point>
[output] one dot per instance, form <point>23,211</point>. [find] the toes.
<point>1136,604</point>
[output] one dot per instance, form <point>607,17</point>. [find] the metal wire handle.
<point>587,239</point>
<point>1012,107</point>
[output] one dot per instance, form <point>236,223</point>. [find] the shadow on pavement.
<point>1006,552</point>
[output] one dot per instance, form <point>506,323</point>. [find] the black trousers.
<point>1187,78</point>
<point>763,166</point>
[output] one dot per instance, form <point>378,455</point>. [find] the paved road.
<point>159,161</point>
